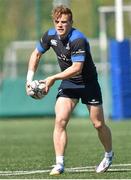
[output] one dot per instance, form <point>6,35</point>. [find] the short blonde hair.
<point>62,9</point>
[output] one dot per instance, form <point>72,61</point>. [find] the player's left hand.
<point>49,81</point>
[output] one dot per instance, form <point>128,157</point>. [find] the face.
<point>62,25</point>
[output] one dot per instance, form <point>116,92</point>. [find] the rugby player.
<point>79,82</point>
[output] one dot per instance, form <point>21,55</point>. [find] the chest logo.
<point>68,47</point>
<point>53,42</point>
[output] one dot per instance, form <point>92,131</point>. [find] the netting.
<point>17,55</point>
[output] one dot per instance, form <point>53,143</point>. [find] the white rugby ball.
<point>37,89</point>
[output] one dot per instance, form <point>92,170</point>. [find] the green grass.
<point>26,144</point>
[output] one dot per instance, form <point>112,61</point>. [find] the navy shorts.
<point>89,94</point>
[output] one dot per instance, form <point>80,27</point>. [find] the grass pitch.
<point>26,149</point>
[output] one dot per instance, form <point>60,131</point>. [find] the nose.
<point>59,24</point>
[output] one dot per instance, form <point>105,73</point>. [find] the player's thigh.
<point>96,114</point>
<point>64,107</point>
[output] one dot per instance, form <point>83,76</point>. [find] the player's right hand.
<point>28,88</point>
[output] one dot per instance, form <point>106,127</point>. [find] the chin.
<point>61,34</point>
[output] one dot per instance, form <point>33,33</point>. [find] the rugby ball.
<point>37,89</point>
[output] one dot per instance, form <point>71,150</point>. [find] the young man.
<point>79,81</point>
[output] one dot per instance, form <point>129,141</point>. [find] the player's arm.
<point>73,70</point>
<point>33,64</point>
<point>32,67</point>
<point>41,47</point>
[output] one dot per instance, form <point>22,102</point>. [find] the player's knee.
<point>98,125</point>
<point>60,122</point>
<point>98,122</point>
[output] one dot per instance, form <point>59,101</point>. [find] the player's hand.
<point>49,81</point>
<point>28,88</point>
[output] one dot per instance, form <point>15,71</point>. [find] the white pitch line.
<point>72,169</point>
<point>11,173</point>
<point>90,167</point>
<point>114,165</point>
<point>92,170</point>
<point>68,170</point>
<point>33,171</point>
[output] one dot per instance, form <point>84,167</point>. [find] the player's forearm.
<point>33,64</point>
<point>34,61</point>
<point>68,73</point>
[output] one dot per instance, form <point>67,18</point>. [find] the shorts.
<point>89,94</point>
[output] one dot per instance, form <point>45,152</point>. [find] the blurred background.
<point>22,25</point>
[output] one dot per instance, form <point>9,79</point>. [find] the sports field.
<point>26,149</point>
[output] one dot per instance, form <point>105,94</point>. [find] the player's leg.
<point>63,109</point>
<point>97,118</point>
<point>104,134</point>
<point>92,97</point>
